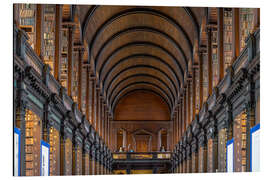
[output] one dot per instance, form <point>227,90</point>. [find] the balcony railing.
<point>141,155</point>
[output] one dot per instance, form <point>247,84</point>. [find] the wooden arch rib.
<point>146,29</point>
<point>135,67</point>
<point>142,11</point>
<point>138,83</point>
<point>89,15</point>
<point>92,10</point>
<point>142,85</point>
<point>140,89</point>
<point>141,43</point>
<point>143,56</point>
<point>119,84</point>
<point>194,22</point>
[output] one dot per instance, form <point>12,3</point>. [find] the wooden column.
<point>174,128</point>
<point>209,62</point>
<point>101,116</point>
<point>202,152</point>
<point>97,109</point>
<point>103,121</point>
<point>16,14</point>
<point>81,51</point>
<point>109,128</point>
<point>39,31</point>
<point>185,110</point>
<point>93,101</point>
<point>194,155</point>
<point>70,59</point>
<point>87,102</point>
<point>236,34</point>
<point>256,19</point>
<point>188,103</point>
<point>105,125</point>
<point>179,120</point>
<point>201,78</point>
<point>21,105</point>
<point>58,40</point>
<point>193,92</point>
<point>220,44</point>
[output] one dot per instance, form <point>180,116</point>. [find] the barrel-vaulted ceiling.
<point>137,47</point>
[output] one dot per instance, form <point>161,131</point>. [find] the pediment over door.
<point>142,140</point>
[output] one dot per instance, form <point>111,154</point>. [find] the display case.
<point>54,140</point>
<point>27,21</point>
<point>228,37</point>
<point>246,25</point>
<point>32,143</point>
<point>49,35</point>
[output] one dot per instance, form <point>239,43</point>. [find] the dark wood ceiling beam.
<point>136,86</point>
<point>169,101</point>
<point>143,29</point>
<point>110,94</point>
<point>134,67</point>
<point>141,43</point>
<point>194,22</point>
<point>87,18</point>
<point>141,11</point>
<point>170,69</point>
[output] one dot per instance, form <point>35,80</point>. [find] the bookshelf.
<point>84,74</point>
<point>27,21</point>
<point>205,78</point>
<point>228,36</point>
<point>64,59</point>
<point>49,35</point>
<point>32,143</point>
<point>54,151</point>
<point>75,74</point>
<point>215,58</point>
<point>240,133</point>
<point>68,157</point>
<point>246,25</point>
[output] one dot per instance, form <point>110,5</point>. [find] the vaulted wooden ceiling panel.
<point>147,22</point>
<point>140,70</point>
<point>142,86</point>
<point>147,37</point>
<point>136,79</point>
<point>147,47</point>
<point>138,50</point>
<point>141,61</point>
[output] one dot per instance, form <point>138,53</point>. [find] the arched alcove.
<point>141,105</point>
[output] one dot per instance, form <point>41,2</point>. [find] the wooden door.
<point>142,143</point>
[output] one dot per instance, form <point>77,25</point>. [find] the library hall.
<point>112,89</point>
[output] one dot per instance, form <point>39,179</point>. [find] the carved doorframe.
<point>136,132</point>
